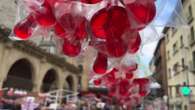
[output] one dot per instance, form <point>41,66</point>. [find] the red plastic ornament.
<point>100,64</point>
<point>143,86</point>
<point>71,49</point>
<point>98,22</point>
<point>110,22</point>
<point>81,30</point>
<point>74,25</point>
<point>91,1</point>
<point>110,77</point>
<point>44,15</point>
<point>132,68</point>
<point>129,75</point>
<point>97,82</point>
<point>124,86</point>
<point>116,47</point>
<point>112,91</point>
<point>135,44</point>
<point>24,29</point>
<point>143,12</point>
<point>59,30</point>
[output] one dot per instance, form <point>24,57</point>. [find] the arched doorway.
<point>49,81</point>
<point>20,76</point>
<point>70,82</point>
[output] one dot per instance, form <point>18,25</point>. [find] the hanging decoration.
<point>114,28</point>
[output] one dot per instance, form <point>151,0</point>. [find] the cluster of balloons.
<point>125,87</point>
<point>113,30</point>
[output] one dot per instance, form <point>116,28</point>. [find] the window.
<point>174,48</point>
<point>167,38</point>
<point>170,92</point>
<point>169,73</point>
<point>168,55</point>
<point>185,107</point>
<point>183,62</point>
<point>192,33</point>
<point>177,90</point>
<point>175,68</point>
<point>181,41</point>
<point>193,55</point>
<point>174,30</point>
<point>190,10</point>
<point>189,14</point>
<point>183,1</point>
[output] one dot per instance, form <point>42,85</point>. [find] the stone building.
<point>159,68</point>
<point>28,67</point>
<point>8,12</point>
<point>180,60</point>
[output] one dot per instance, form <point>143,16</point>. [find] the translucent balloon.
<point>71,49</point>
<point>143,86</point>
<point>44,15</point>
<point>100,64</point>
<point>25,28</point>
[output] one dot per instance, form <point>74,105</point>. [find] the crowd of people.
<point>76,102</point>
<point>30,103</point>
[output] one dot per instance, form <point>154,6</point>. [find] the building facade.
<point>158,65</point>
<point>27,67</point>
<point>8,12</point>
<point>180,60</point>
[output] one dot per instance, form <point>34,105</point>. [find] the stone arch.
<point>71,83</point>
<point>50,81</point>
<point>20,75</point>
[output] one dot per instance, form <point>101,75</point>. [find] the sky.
<point>159,23</point>
<point>150,37</point>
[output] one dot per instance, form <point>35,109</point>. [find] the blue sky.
<point>166,8</point>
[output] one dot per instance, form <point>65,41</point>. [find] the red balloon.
<point>100,64</point>
<point>97,82</point>
<point>81,30</point>
<point>98,22</point>
<point>129,75</point>
<point>71,49</point>
<point>59,30</point>
<point>91,1</point>
<point>132,68</point>
<point>112,91</point>
<point>45,16</point>
<point>24,29</point>
<point>110,22</point>
<point>116,47</point>
<point>134,44</point>
<point>142,11</point>
<point>75,25</point>
<point>110,77</point>
<point>143,86</point>
<point>124,86</point>
<point>52,2</point>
